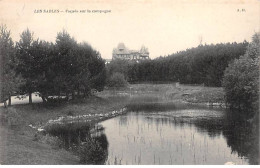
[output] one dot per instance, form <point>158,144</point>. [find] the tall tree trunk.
<point>44,99</point>
<point>9,101</point>
<point>30,98</point>
<point>5,104</point>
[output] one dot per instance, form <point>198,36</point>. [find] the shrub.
<point>92,152</point>
<point>54,141</point>
<point>241,79</point>
<point>117,80</point>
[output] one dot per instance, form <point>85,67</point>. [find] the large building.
<point>121,52</point>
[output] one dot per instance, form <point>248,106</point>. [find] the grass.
<point>17,148</point>
<point>38,114</point>
<point>169,93</point>
<point>205,95</point>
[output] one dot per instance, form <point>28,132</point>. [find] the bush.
<point>241,79</point>
<point>117,80</point>
<point>94,150</point>
<point>54,141</point>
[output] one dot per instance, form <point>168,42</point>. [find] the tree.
<point>119,66</point>
<point>9,82</point>
<point>43,53</point>
<point>72,68</point>
<point>241,79</point>
<point>117,80</point>
<point>203,64</point>
<point>65,66</point>
<point>81,68</point>
<point>51,69</point>
<point>26,62</point>
<point>98,71</point>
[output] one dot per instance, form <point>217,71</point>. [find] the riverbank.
<point>172,93</point>
<point>19,145</point>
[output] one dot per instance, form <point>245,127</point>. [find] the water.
<point>187,136</point>
<point>183,135</point>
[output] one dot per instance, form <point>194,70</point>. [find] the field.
<point>19,146</point>
<point>171,93</point>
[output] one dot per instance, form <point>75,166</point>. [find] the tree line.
<point>234,66</point>
<point>204,64</point>
<point>65,67</point>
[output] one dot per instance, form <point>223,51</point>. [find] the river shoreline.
<point>19,139</point>
<point>34,117</point>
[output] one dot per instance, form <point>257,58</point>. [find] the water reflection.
<point>87,141</point>
<point>243,137</point>
<point>187,136</point>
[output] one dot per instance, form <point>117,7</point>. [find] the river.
<point>186,136</point>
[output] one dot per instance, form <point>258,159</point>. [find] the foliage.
<point>62,68</point>
<point>117,80</point>
<point>77,137</point>
<point>54,141</point>
<point>118,65</point>
<point>93,151</point>
<point>241,79</point>
<point>26,61</point>
<point>203,64</point>
<point>9,82</point>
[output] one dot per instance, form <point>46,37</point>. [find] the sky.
<point>163,26</point>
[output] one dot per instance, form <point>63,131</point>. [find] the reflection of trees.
<point>71,133</point>
<point>94,150</point>
<point>123,120</point>
<point>242,135</point>
<point>90,144</point>
<point>213,126</point>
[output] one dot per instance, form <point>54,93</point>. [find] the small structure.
<point>122,52</point>
<point>107,61</point>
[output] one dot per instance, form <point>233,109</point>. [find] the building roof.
<point>144,49</point>
<point>121,49</point>
<point>121,46</point>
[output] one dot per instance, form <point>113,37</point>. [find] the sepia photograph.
<point>120,82</point>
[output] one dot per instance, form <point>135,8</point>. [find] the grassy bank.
<point>172,93</point>
<point>19,146</point>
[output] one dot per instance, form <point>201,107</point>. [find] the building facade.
<point>122,52</point>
